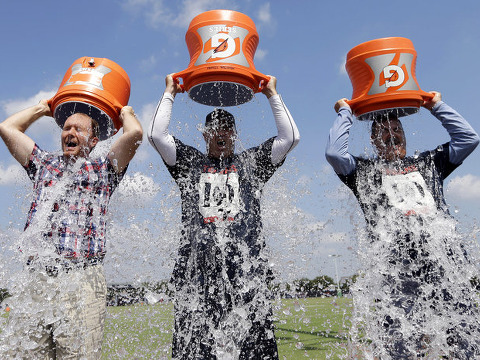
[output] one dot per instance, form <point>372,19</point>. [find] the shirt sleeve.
<point>336,151</point>
<point>38,158</point>
<point>463,138</point>
<point>158,134</point>
<point>288,134</point>
<point>114,178</point>
<point>187,159</point>
<point>261,159</point>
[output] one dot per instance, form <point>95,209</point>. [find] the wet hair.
<point>94,124</point>
<point>95,128</point>
<point>219,117</point>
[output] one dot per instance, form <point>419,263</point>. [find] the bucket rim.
<point>381,45</point>
<point>106,124</point>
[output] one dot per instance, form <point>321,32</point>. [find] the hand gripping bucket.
<point>382,73</point>
<point>221,72</point>
<point>97,87</point>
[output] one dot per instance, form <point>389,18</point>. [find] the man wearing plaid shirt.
<point>59,307</point>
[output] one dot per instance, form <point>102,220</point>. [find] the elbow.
<point>475,140</point>
<point>336,160</point>
<point>137,135</point>
<point>331,159</point>
<point>331,155</point>
<point>151,138</point>
<point>295,140</point>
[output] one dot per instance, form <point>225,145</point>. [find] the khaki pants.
<point>57,316</point>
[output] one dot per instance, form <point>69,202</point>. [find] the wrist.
<point>42,109</point>
<point>270,93</point>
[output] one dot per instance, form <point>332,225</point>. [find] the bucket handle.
<point>261,79</point>
<point>181,75</point>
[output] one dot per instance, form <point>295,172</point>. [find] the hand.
<point>45,108</point>
<point>429,104</point>
<point>270,88</point>
<point>126,111</point>
<point>341,103</point>
<point>172,86</point>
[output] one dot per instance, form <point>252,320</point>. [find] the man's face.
<point>77,136</point>
<point>389,139</point>
<point>220,141</point>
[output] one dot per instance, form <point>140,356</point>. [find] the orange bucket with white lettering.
<point>382,73</point>
<point>97,87</point>
<point>221,72</point>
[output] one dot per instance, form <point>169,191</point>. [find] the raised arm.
<point>12,131</point>
<point>337,146</point>
<point>463,139</point>
<point>158,134</point>
<point>124,148</point>
<point>288,135</point>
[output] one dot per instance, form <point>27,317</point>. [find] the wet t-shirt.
<point>221,219</point>
<point>409,187</point>
<point>70,203</point>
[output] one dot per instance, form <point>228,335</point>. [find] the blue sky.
<point>308,213</point>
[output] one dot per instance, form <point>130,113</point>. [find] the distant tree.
<point>319,286</point>
<point>315,287</point>
<point>346,285</point>
<point>124,294</point>
<point>475,281</point>
<point>4,294</point>
<point>159,287</point>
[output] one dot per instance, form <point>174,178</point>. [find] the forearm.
<point>463,138</point>
<point>288,135</point>
<point>337,146</point>
<point>125,147</point>
<point>12,131</point>
<point>158,134</point>
<point>132,134</point>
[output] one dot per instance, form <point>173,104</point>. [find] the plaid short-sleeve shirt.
<point>70,201</point>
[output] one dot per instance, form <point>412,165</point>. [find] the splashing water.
<point>414,296</point>
<point>221,93</point>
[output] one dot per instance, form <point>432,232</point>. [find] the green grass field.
<point>314,328</point>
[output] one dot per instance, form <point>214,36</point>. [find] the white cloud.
<point>159,13</point>
<point>148,63</point>
<point>341,66</point>
<point>11,175</point>
<point>191,8</point>
<point>45,130</point>
<point>264,14</point>
<point>465,187</point>
<point>145,115</point>
<point>260,54</point>
<point>13,106</point>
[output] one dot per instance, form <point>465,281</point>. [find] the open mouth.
<point>71,144</point>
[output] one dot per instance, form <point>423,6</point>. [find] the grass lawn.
<point>313,328</point>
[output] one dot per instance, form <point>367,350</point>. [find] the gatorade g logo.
<point>392,73</point>
<point>222,44</point>
<point>88,76</point>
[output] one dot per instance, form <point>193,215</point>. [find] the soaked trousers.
<point>56,315</point>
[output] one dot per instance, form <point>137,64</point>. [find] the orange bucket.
<point>221,72</point>
<point>382,73</point>
<point>97,87</point>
